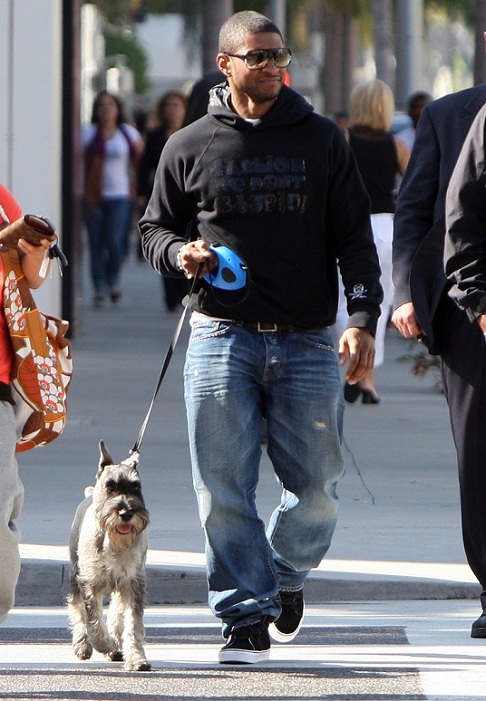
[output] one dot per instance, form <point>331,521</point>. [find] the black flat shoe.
<point>351,392</point>
<point>115,295</point>
<point>478,629</point>
<point>369,397</point>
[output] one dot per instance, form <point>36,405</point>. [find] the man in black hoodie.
<point>265,176</point>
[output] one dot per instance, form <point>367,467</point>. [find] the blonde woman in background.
<point>380,156</point>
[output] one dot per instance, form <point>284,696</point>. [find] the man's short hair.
<point>233,32</point>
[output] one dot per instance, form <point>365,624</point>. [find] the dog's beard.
<point>122,534</point>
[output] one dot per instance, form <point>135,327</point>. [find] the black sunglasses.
<point>258,58</point>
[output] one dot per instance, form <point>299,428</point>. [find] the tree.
<point>116,43</point>
<point>382,23</point>
<point>345,23</point>
<point>341,55</point>
<point>214,13</point>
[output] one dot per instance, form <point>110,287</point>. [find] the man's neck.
<point>249,109</point>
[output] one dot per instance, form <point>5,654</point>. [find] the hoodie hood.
<point>290,107</point>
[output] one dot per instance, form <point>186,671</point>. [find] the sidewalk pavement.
<point>398,534</point>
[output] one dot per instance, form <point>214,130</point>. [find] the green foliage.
<point>193,7</point>
<point>159,7</point>
<point>191,10</point>
<point>119,14</point>
<point>116,12</point>
<point>362,11</point>
<point>454,9</point>
<point>136,57</point>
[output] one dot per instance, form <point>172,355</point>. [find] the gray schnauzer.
<point>108,547</point>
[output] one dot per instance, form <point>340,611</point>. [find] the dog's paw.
<point>137,666</point>
<point>83,651</point>
<point>115,656</point>
<point>88,491</point>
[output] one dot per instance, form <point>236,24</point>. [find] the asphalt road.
<point>373,651</point>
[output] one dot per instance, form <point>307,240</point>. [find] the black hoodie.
<point>285,195</point>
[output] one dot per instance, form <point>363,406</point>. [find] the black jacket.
<point>419,224</point>
<point>465,246</point>
<point>285,195</point>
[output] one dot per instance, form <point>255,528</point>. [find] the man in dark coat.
<point>465,263</point>
<point>423,308</point>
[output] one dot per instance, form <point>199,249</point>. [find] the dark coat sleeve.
<point>441,131</point>
<point>415,212</point>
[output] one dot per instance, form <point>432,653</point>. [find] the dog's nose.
<point>126,514</point>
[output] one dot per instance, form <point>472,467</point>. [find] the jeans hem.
<point>291,589</point>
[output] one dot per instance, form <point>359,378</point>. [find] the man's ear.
<point>223,63</point>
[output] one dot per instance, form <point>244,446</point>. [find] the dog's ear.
<point>105,458</point>
<point>132,461</point>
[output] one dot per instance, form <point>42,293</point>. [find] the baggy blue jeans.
<point>233,376</point>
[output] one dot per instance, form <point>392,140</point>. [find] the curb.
<point>44,583</point>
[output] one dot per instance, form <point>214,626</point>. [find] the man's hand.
<point>358,347</point>
<point>192,254</point>
<point>405,320</point>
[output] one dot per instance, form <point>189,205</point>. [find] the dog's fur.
<point>108,547</point>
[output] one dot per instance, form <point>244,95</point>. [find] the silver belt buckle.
<point>272,327</point>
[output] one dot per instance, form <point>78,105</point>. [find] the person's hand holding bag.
<point>31,227</point>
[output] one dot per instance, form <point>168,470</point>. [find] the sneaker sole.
<point>280,637</point>
<point>243,656</point>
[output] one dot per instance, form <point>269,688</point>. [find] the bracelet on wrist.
<point>179,260</point>
<point>179,263</point>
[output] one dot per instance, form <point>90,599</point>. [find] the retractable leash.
<point>230,273</point>
<point>135,451</point>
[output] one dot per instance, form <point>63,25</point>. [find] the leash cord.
<point>136,447</point>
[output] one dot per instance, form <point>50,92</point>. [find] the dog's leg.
<point>132,602</point>
<point>115,621</point>
<point>97,630</point>
<point>77,618</point>
<point>75,601</point>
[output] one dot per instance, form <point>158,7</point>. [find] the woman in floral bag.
<point>11,493</point>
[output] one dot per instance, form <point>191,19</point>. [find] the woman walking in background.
<point>169,115</point>
<point>112,150</point>
<point>380,156</point>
